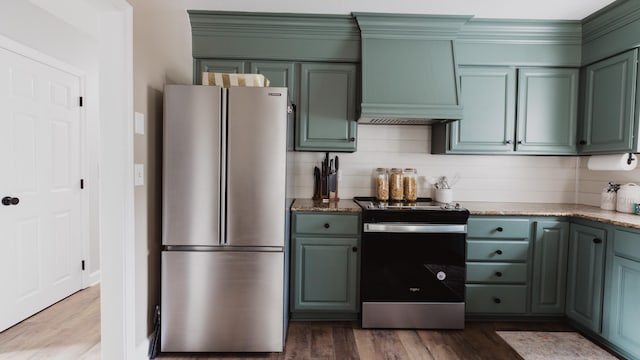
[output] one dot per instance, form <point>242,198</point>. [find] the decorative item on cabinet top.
<point>228,80</point>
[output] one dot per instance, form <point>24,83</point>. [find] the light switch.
<point>139,123</point>
<point>138,175</point>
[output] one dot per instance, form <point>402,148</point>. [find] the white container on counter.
<point>627,195</point>
<point>445,196</point>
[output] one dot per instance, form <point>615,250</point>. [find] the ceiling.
<point>531,9</point>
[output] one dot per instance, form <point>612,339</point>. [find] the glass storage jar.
<point>396,186</point>
<point>382,184</point>
<point>410,182</point>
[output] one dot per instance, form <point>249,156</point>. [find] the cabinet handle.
<point>507,142</point>
<point>499,229</point>
<point>497,300</point>
<point>498,274</point>
<point>326,225</point>
<point>354,249</point>
<point>582,142</point>
<point>499,252</point>
<point>597,241</point>
<point>519,142</point>
<point>352,139</point>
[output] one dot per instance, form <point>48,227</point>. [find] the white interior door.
<point>40,229</point>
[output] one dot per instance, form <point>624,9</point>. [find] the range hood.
<point>409,73</point>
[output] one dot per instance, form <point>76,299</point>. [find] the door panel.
<point>40,156</point>
<point>256,166</point>
<point>191,146</point>
<point>222,301</point>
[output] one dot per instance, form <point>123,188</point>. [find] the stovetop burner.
<point>371,203</point>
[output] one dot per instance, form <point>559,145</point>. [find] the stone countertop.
<point>587,212</point>
<point>309,205</point>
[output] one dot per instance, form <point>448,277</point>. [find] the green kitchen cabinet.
<point>326,119</point>
<point>280,74</point>
<point>547,117</point>
<point>585,275</point>
<point>325,266</point>
<point>608,122</point>
<point>621,316</point>
<point>497,265</point>
<point>510,110</point>
<point>551,243</point>
<point>489,113</point>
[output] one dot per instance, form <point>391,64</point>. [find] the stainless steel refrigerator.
<point>224,219</point>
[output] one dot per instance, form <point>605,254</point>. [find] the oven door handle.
<point>416,228</point>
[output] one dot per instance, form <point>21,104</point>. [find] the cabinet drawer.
<point>328,224</point>
<point>627,244</point>
<point>498,228</point>
<point>496,298</point>
<point>481,250</point>
<point>496,273</point>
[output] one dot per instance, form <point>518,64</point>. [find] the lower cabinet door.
<point>622,315</point>
<point>325,274</point>
<point>496,299</point>
<point>550,247</point>
<point>585,276</point>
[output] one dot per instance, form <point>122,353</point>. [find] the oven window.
<point>412,267</point>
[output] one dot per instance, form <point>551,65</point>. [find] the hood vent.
<point>401,121</point>
<point>409,73</point>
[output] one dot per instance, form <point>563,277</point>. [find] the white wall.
<point>481,178</point>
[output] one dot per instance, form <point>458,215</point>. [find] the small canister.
<point>396,185</point>
<point>382,184</point>
<point>410,183</point>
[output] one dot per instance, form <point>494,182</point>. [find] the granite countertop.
<point>309,205</point>
<point>548,209</point>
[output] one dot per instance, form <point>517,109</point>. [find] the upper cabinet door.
<point>488,121</point>
<point>547,110</point>
<point>279,73</point>
<point>327,113</point>
<point>610,104</point>
<point>221,66</point>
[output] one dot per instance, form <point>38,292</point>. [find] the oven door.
<point>412,267</point>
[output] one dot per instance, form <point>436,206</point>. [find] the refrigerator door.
<point>256,166</point>
<point>222,301</point>
<point>191,168</point>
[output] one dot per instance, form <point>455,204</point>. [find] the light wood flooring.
<point>70,329</point>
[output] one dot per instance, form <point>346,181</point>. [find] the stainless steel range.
<point>412,264</point>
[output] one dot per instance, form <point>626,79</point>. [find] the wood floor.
<point>70,329</point>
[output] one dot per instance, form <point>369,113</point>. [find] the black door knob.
<point>8,200</point>
<point>326,225</point>
<point>497,300</point>
<point>498,274</point>
<point>499,252</point>
<point>597,241</point>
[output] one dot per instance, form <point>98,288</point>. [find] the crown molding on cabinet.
<point>389,26</point>
<point>611,30</point>
<point>275,36</point>
<point>518,31</point>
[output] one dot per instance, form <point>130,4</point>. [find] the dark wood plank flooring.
<point>346,340</point>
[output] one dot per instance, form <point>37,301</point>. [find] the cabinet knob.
<point>499,229</point>
<point>499,252</point>
<point>582,142</point>
<point>352,139</point>
<point>507,142</point>
<point>326,225</point>
<point>498,274</point>
<point>497,300</point>
<point>519,142</point>
<point>354,249</point>
<point>597,241</point>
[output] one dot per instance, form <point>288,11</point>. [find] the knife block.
<point>326,188</point>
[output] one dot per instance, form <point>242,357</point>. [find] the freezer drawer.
<point>222,301</point>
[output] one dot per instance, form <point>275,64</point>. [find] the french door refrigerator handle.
<point>223,165</point>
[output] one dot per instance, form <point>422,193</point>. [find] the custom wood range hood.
<point>409,73</point>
